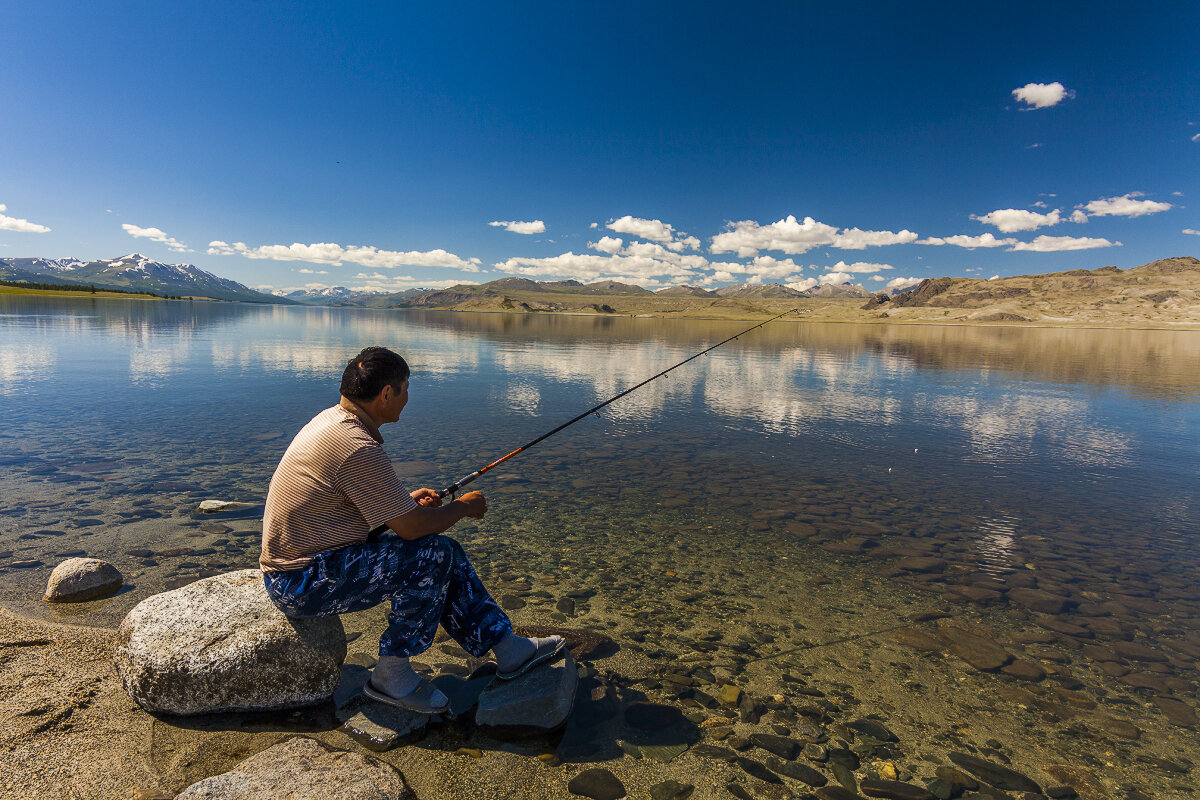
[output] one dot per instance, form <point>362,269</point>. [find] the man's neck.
<point>367,420</point>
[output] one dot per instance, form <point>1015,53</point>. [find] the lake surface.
<point>756,509</point>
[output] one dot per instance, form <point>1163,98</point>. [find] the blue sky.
<point>377,144</point>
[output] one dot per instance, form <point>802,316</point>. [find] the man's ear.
<point>385,394</point>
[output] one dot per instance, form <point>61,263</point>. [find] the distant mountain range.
<point>132,272</point>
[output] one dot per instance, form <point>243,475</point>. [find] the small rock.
<point>566,605</point>
<point>752,767</point>
<point>540,700</point>
<point>307,769</point>
<point>671,790</point>
<point>378,726</point>
<point>797,771</point>
<point>894,790</point>
<point>994,774</point>
<point>874,729</point>
<point>78,579</point>
<point>1177,713</point>
<point>729,695</point>
<point>217,506</point>
<point>652,716</point>
<point>781,746</point>
<point>1024,670</point>
<point>1038,600</point>
<point>598,784</point>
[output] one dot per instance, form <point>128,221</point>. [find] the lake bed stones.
<point>220,644</point>
<point>598,784</point>
<point>995,774</point>
<point>379,726</point>
<point>303,767</point>
<point>80,579</point>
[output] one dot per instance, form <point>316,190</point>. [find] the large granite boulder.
<point>78,579</point>
<point>220,644</point>
<point>302,769</point>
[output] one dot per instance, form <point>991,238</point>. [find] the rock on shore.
<point>303,767</point>
<point>78,579</point>
<point>220,644</point>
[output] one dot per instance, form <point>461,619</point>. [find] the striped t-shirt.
<point>334,484</point>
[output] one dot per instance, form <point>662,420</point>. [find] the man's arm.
<point>426,520</point>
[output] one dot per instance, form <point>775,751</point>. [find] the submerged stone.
<point>994,774</point>
<point>538,701</point>
<point>379,726</point>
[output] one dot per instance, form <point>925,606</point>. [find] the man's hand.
<point>476,505</point>
<point>426,497</point>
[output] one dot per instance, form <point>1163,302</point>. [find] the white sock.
<point>393,675</point>
<point>512,651</point>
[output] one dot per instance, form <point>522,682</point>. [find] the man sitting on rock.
<point>333,486</point>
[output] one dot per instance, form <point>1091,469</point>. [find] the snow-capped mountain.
<point>133,271</point>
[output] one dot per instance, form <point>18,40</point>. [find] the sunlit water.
<point>939,467</point>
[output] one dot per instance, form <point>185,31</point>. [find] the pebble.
<point>893,790</point>
<point>780,746</point>
<point>756,769</point>
<point>797,771</point>
<point>671,790</point>
<point>995,774</point>
<point>598,784</point>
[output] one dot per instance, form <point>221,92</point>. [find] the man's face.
<point>395,399</point>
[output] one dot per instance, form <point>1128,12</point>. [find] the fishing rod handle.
<point>454,487</point>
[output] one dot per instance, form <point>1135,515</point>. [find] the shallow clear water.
<point>806,481</point>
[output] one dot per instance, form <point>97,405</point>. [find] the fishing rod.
<point>461,482</point>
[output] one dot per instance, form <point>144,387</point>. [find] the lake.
<point>784,511</point>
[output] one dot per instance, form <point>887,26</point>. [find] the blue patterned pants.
<point>429,580</point>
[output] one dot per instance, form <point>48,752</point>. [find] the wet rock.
<point>28,563</point>
<point>1138,652</point>
<point>781,746</point>
<point>78,579</point>
<point>538,701</point>
<point>1037,600</point>
<point>729,695</point>
<point>307,769</point>
<point>1080,781</point>
<point>511,602</point>
<point>220,644</point>
<point>995,774</point>
<point>1176,712</point>
<point>714,751</point>
<point>652,716</point>
<point>956,778</point>
<point>671,790</point>
<point>566,605</point>
<point>895,790</point>
<point>1024,670</point>
<point>219,506</point>
<point>921,564</point>
<point>378,726</point>
<point>1118,727</point>
<point>918,640</point>
<point>874,729</point>
<point>757,770</point>
<point>797,771</point>
<point>979,652</point>
<point>836,793</point>
<point>598,784</point>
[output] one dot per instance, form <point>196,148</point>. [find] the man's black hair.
<point>371,370</point>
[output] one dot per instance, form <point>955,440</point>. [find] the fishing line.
<point>461,482</point>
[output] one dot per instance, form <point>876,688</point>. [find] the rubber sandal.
<point>418,700</point>
<point>547,651</point>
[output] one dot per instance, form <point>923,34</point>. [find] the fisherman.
<point>334,485</point>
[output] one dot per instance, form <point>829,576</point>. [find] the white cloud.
<point>535,226</point>
<point>994,278</point>
<point>1078,216</point>
<point>969,242</point>
<point>307,271</point>
<point>789,235</point>
<point>607,244</point>
<point>860,267</point>
<point>155,235</point>
<point>836,277</point>
<point>655,230</point>
<point>895,284</point>
<point>855,239</point>
<point>1196,137</point>
<point>1042,95</point>
<point>767,268</point>
<point>19,225</point>
<point>1011,220</point>
<point>1054,244</point>
<point>639,269</point>
<point>336,254</point>
<point>1192,231</point>
<point>1125,206</point>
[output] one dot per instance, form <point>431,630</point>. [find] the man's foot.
<point>517,655</point>
<point>425,699</point>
